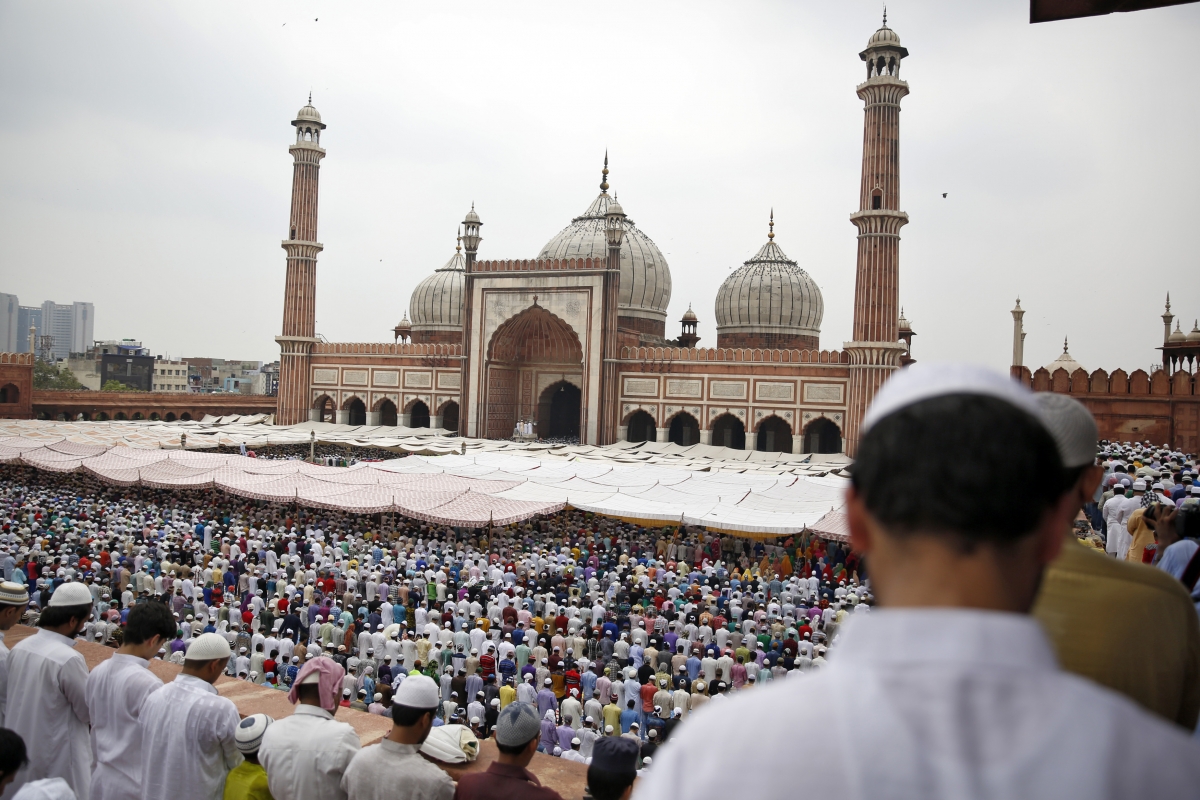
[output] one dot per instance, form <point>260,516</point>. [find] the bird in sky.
<point>944,194</point>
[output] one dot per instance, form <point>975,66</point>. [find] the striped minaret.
<point>300,289</point>
<point>875,352</point>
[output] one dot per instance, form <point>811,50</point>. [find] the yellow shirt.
<point>1129,627</point>
<point>1142,533</point>
<point>247,781</point>
<point>507,695</point>
<point>612,716</point>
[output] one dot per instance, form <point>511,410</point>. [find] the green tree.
<point>51,376</point>
<point>112,385</point>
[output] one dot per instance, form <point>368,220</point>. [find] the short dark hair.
<point>54,616</point>
<point>12,752</point>
<point>407,716</point>
<point>515,749</point>
<point>972,468</point>
<point>147,621</point>
<point>605,784</point>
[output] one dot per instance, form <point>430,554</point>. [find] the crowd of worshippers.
<point>630,650</point>
<point>601,628</point>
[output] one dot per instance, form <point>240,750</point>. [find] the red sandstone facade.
<point>16,385</point>
<point>300,292</point>
<point>534,332</point>
<point>876,352</point>
<point>166,406</point>
<point>1137,406</point>
<point>768,341</point>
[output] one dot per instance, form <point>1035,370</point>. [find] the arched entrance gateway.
<point>822,436</point>
<point>418,415</point>
<point>534,355</point>
<point>356,411</point>
<point>450,416</point>
<point>558,411</point>
<point>640,427</point>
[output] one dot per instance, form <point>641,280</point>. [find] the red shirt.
<point>648,690</point>
<point>503,782</point>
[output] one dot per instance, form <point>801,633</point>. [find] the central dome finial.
<point>771,232</point>
<point>604,174</point>
<point>458,239</point>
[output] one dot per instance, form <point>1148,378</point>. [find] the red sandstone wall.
<point>654,327</point>
<point>51,403</point>
<point>437,337</point>
<point>16,372</point>
<point>1137,406</point>
<point>771,341</point>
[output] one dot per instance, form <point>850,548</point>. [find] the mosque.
<point>574,342</point>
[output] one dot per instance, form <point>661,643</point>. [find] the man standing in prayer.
<point>306,755</point>
<point>957,501</point>
<point>190,729</point>
<point>517,733</point>
<point>1128,627</point>
<point>14,599</point>
<point>47,699</point>
<point>248,780</point>
<point>116,690</point>
<point>394,769</point>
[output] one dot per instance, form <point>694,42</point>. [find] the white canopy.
<point>464,490</point>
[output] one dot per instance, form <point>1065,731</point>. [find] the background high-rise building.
<point>10,312</point>
<point>71,326</point>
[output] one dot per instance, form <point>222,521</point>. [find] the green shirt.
<point>247,782</point>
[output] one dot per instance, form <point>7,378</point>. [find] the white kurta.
<point>933,703</point>
<point>190,730</point>
<point>116,690</point>
<point>47,706</point>
<point>3,677</point>
<point>305,755</point>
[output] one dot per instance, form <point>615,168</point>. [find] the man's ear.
<point>857,521</point>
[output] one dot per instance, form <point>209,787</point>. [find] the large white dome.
<point>645,278</point>
<point>769,294</point>
<point>437,302</point>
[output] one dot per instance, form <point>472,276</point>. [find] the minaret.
<point>876,351</point>
<point>1018,335</point>
<point>1166,318</point>
<point>300,289</point>
<point>470,421</point>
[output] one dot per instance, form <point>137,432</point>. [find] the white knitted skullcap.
<point>250,732</point>
<point>1072,426</point>
<point>71,594</point>
<point>208,646</point>
<point>928,380</point>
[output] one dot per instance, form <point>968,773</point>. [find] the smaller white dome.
<point>769,293</point>
<point>437,302</point>
<point>1064,361</point>
<point>884,36</point>
<point>472,216</point>
<point>309,113</point>
<point>1194,336</point>
<point>1177,336</point>
<point>689,315</point>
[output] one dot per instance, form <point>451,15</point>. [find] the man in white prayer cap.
<point>394,769</point>
<point>957,501</point>
<point>47,698</point>
<point>191,730</point>
<point>14,599</point>
<point>116,690</point>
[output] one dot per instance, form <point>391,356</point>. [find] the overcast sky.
<point>146,168</point>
